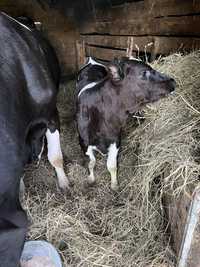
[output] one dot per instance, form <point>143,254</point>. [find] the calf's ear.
<point>115,72</point>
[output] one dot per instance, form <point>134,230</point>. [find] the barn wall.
<point>57,28</point>
<point>152,26</point>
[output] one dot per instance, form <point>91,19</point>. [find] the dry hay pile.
<point>95,227</point>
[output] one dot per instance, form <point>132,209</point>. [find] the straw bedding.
<point>92,226</point>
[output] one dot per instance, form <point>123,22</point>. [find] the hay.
<point>95,227</point>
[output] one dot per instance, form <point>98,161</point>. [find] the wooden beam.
<point>80,53</point>
<point>128,10</point>
<point>168,45</point>
<point>119,42</point>
<point>159,45</point>
<point>104,53</point>
<point>172,7</point>
<point>179,26</point>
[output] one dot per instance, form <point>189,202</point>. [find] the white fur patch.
<point>86,87</point>
<point>90,153</point>
<point>112,165</point>
<point>93,62</point>
<point>53,143</point>
<point>112,155</point>
<point>92,163</point>
<point>17,22</point>
<point>55,157</point>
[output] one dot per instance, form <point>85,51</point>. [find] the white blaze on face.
<point>112,165</point>
<point>86,87</point>
<point>55,157</point>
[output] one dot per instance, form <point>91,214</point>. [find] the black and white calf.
<point>104,104</point>
<point>29,79</point>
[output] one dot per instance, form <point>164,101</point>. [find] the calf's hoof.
<point>64,185</point>
<point>91,180</point>
<point>115,187</point>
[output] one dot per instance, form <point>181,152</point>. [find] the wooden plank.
<point>179,26</point>
<point>172,7</point>
<point>168,45</point>
<point>160,45</point>
<point>176,212</point>
<point>128,10</point>
<point>104,53</point>
<point>119,42</point>
<point>80,53</point>
<point>147,8</point>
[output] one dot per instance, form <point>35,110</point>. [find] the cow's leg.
<point>91,164</point>
<point>112,165</point>
<point>55,157</point>
<point>22,188</point>
<point>40,154</point>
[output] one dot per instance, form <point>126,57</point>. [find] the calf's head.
<point>139,84</point>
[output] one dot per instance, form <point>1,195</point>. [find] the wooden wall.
<point>58,29</point>
<point>155,26</point>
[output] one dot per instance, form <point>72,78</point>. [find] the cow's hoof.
<point>91,183</point>
<point>91,180</point>
<point>115,187</point>
<point>64,186</point>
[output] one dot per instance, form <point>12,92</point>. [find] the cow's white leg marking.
<point>22,187</point>
<point>55,157</point>
<point>40,155</point>
<point>112,165</point>
<point>91,164</point>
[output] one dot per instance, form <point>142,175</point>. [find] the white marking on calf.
<point>93,62</point>
<point>17,22</point>
<point>91,164</point>
<point>55,157</point>
<point>112,165</point>
<point>86,87</point>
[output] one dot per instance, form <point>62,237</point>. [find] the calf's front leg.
<point>112,165</point>
<point>91,164</point>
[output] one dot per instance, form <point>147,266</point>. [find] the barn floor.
<point>92,226</point>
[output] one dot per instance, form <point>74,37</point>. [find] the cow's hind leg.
<point>112,165</point>
<point>55,156</point>
<point>91,164</point>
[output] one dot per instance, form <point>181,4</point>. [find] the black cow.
<point>29,78</point>
<point>103,106</point>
